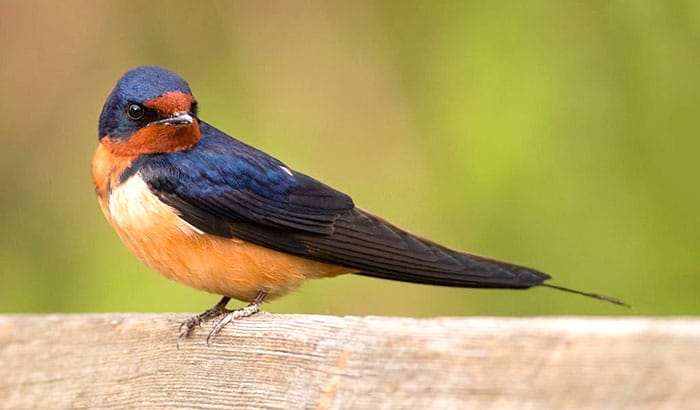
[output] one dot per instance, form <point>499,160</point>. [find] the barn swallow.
<point>209,211</point>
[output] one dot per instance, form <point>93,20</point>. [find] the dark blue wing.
<point>222,180</point>
<point>227,188</point>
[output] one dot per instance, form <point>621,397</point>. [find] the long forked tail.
<point>371,246</point>
<point>588,294</point>
<point>379,249</point>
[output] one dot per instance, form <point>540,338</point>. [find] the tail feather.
<point>476,272</point>
<point>610,299</point>
<point>371,246</point>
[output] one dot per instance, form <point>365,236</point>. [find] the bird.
<point>214,213</point>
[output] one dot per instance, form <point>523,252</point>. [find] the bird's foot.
<point>196,321</point>
<point>230,316</point>
<point>219,310</point>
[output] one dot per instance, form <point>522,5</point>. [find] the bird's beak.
<point>179,118</point>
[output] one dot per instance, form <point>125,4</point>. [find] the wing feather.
<point>230,189</point>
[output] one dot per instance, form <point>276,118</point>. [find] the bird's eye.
<point>135,111</point>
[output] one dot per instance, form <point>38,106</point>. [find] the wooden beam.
<point>327,362</point>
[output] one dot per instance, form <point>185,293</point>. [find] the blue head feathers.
<point>136,86</point>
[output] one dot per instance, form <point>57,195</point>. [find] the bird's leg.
<point>196,320</point>
<point>231,315</point>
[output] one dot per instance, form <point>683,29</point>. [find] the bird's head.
<point>151,110</point>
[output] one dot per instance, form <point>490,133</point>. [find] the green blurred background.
<point>560,135</point>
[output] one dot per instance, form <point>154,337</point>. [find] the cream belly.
<point>167,244</point>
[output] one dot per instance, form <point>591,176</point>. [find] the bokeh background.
<point>560,135</point>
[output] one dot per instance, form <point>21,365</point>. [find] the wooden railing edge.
<point>313,361</point>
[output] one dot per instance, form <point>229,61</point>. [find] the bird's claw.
<point>230,316</point>
<point>219,310</point>
<point>190,323</point>
<point>196,320</point>
<point>189,326</point>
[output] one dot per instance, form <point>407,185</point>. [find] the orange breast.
<point>177,250</point>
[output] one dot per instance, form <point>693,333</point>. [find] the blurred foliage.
<point>560,135</point>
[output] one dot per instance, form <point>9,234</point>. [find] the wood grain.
<point>327,362</point>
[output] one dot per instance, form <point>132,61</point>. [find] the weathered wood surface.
<point>318,362</point>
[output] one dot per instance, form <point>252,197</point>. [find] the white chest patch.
<point>133,207</point>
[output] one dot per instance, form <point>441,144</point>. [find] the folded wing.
<point>227,188</point>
